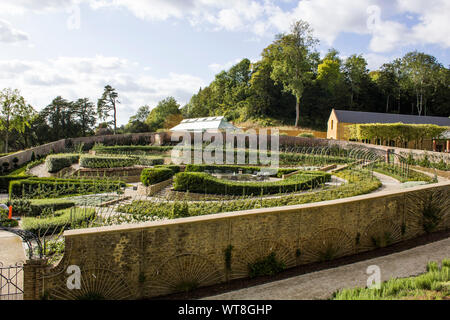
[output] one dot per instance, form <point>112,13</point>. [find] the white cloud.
<point>9,34</point>
<point>217,67</point>
<point>76,77</point>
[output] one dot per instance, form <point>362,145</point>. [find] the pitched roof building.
<point>339,119</point>
<point>204,124</point>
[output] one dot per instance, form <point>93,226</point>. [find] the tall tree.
<point>355,70</point>
<point>295,61</point>
<point>86,115</point>
<point>423,71</point>
<point>107,103</point>
<point>14,113</point>
<point>163,115</point>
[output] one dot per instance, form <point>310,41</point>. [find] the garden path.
<point>322,284</point>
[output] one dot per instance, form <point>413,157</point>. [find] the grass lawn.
<point>432,285</point>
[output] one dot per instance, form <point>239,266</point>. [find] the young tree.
<point>85,113</point>
<point>14,113</point>
<point>107,103</point>
<point>295,61</point>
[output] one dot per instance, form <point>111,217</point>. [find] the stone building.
<point>340,119</point>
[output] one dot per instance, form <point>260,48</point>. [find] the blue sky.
<point>150,49</point>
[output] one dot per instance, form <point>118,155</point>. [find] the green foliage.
<point>136,150</point>
<point>55,163</point>
<point>5,181</point>
<point>306,135</point>
<point>399,132</point>
<point>33,208</point>
<point>431,285</point>
<point>402,176</point>
<point>267,266</point>
<point>89,161</point>
<point>166,115</point>
<point>180,210</point>
<point>175,169</point>
<point>200,182</point>
<point>5,222</point>
<point>65,219</point>
<point>228,256</point>
<point>155,175</point>
<point>359,183</point>
<point>150,161</point>
<point>36,188</point>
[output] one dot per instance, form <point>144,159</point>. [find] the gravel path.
<point>322,284</point>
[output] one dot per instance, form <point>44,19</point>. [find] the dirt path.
<point>322,284</point>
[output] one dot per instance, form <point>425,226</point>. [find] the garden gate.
<point>11,282</point>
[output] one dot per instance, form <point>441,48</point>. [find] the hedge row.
<point>155,175</point>
<point>57,162</point>
<point>5,180</point>
<point>64,219</point>
<point>150,161</point>
<point>36,188</point>
<point>34,208</point>
<point>106,162</point>
<point>233,168</point>
<point>131,149</point>
<point>175,169</point>
<point>200,182</point>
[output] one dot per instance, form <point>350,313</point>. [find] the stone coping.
<point>228,215</point>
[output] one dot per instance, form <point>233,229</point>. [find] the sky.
<point>151,49</point>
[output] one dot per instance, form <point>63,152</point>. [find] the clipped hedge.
<point>175,169</point>
<point>37,188</point>
<point>57,162</point>
<point>33,208</point>
<point>150,161</point>
<point>155,175</point>
<point>5,180</point>
<point>95,162</point>
<point>200,182</point>
<point>234,168</point>
<point>131,149</point>
<point>62,220</point>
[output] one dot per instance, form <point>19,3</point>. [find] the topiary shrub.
<point>175,169</point>
<point>155,175</point>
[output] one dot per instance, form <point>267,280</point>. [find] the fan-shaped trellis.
<point>326,245</point>
<point>256,251</point>
<point>183,273</point>
<point>380,233</point>
<point>96,284</point>
<point>427,211</point>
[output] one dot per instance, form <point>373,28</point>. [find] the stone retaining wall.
<point>158,258</point>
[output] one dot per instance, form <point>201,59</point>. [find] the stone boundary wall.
<point>60,145</point>
<point>153,189</point>
<point>158,258</point>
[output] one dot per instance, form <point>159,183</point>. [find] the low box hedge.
<point>62,220</point>
<point>99,162</point>
<point>57,162</point>
<point>234,168</point>
<point>200,182</point>
<point>5,180</point>
<point>172,167</point>
<point>37,188</point>
<point>150,161</point>
<point>33,208</point>
<point>131,149</point>
<point>155,175</point>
